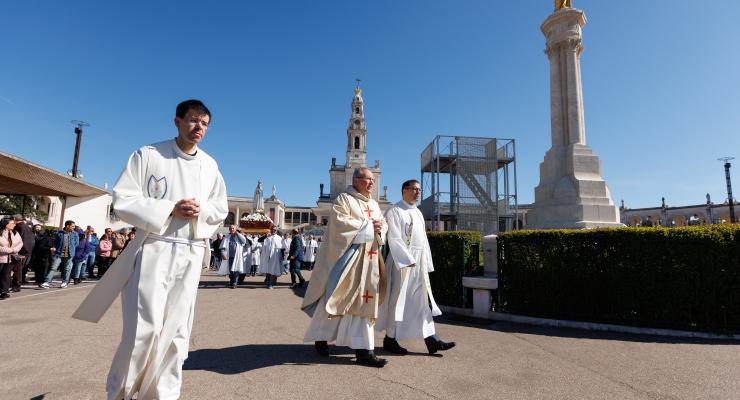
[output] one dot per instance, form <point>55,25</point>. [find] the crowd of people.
<point>272,255</point>
<point>80,254</point>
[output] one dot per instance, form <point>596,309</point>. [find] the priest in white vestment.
<point>175,196</point>
<point>348,282</point>
<point>273,254</point>
<point>408,310</point>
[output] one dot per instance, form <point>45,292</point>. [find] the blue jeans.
<point>295,271</point>
<point>233,277</point>
<point>77,267</point>
<point>90,264</point>
<point>55,266</point>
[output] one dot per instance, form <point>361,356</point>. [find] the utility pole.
<point>729,187</point>
<point>78,131</point>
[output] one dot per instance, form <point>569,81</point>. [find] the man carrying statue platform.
<point>348,281</point>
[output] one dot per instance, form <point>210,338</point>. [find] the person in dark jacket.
<point>21,269</point>
<point>216,251</point>
<point>78,261</point>
<point>90,248</point>
<point>295,256</point>
<point>42,254</point>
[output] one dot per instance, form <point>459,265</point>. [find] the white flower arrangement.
<point>256,217</point>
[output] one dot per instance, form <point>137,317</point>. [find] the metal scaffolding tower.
<point>469,183</point>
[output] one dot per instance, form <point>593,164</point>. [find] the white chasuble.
<point>272,259</point>
<point>348,280</point>
<point>410,306</point>
<point>256,252</point>
<point>310,253</point>
<point>247,256</point>
<point>158,274</point>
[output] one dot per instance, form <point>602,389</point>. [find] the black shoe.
<point>434,344</point>
<point>15,289</point>
<point>368,358</point>
<point>4,296</point>
<point>391,344</point>
<point>322,348</point>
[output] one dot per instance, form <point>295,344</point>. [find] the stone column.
<point>572,192</point>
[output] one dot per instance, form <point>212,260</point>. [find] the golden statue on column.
<point>562,4</point>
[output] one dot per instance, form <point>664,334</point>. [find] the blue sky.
<point>660,83</point>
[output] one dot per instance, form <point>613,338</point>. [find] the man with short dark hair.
<point>174,194</point>
<point>65,243</point>
<point>408,311</point>
<point>295,257</point>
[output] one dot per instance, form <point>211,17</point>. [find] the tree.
<point>29,206</point>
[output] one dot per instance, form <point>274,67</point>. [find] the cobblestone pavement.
<point>247,344</point>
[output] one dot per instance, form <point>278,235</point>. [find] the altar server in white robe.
<point>232,259</point>
<point>408,310</point>
<point>175,196</point>
<point>309,256</point>
<point>256,255</point>
<point>349,282</point>
<point>273,254</point>
<point>246,259</point>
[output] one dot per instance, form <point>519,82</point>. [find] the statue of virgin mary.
<point>258,201</point>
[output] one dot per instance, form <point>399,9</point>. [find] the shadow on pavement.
<point>235,360</point>
<point>510,327</point>
<point>222,284</point>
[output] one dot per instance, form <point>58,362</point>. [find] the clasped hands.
<point>186,208</point>
<point>377,226</point>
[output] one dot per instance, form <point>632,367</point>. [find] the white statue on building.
<point>259,200</point>
<point>274,192</point>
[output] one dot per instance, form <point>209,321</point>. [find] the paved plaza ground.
<point>247,344</point>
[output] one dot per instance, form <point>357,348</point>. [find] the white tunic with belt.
<point>158,273</point>
<point>409,307</point>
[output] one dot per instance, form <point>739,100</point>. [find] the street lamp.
<point>729,187</point>
<point>78,131</point>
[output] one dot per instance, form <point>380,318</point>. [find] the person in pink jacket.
<point>104,248</point>
<point>10,244</point>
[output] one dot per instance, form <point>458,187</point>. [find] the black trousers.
<point>40,268</point>
<point>17,269</point>
<point>5,277</point>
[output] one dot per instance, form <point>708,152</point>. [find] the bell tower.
<point>356,131</point>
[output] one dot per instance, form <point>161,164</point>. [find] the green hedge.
<point>455,254</point>
<point>680,278</point>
